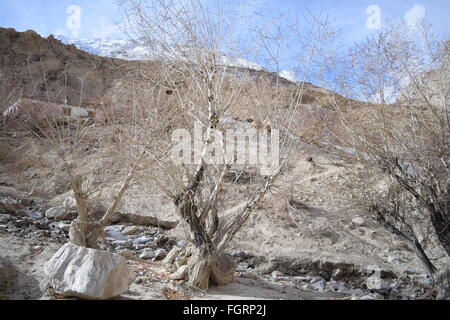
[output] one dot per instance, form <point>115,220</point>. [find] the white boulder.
<point>88,273</point>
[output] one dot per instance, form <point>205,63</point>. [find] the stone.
<point>335,286</point>
<point>367,297</point>
<point>276,274</point>
<point>129,230</point>
<point>182,243</point>
<point>358,221</point>
<point>115,233</point>
<point>88,273</point>
<point>57,213</point>
<point>302,278</point>
<point>8,274</point>
<point>60,226</point>
<point>5,218</point>
<point>222,271</point>
<point>180,274</point>
<point>319,285</point>
<point>125,244</point>
<point>147,254</point>
<point>375,282</point>
<point>316,279</point>
<point>142,240</point>
<point>33,214</point>
<point>160,254</point>
<point>337,274</point>
<point>70,204</point>
<point>26,202</point>
<point>117,228</point>
<point>392,260</point>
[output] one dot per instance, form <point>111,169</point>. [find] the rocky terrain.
<point>306,240</point>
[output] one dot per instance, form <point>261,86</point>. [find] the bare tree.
<point>201,74</point>
<point>84,159</point>
<point>400,128</point>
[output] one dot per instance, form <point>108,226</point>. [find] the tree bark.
<point>420,253</point>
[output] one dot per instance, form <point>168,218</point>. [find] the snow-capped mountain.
<point>128,50</point>
<point>113,48</point>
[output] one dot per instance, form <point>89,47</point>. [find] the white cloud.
<point>415,15</point>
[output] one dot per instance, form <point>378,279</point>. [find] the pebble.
<point>147,254</point>
<point>129,230</point>
<point>160,254</point>
<point>142,240</point>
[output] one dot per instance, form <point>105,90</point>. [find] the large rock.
<point>88,273</point>
<point>222,271</point>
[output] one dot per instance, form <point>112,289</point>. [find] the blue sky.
<point>99,17</point>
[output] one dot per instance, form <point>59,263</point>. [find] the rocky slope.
<point>307,240</point>
<point>47,69</point>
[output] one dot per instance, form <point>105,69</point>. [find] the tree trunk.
<point>199,267</point>
<point>441,224</point>
<point>420,253</point>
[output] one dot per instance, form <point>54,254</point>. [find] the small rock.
<point>147,254</point>
<point>276,274</point>
<point>366,297</point>
<point>336,286</point>
<point>337,274</point>
<point>392,260</point>
<point>182,244</point>
<point>5,218</point>
<point>376,283</point>
<point>117,228</point>
<point>125,244</point>
<point>129,230</point>
<point>70,203</point>
<point>319,285</point>
<point>302,278</point>
<point>57,213</point>
<point>358,221</point>
<point>142,240</point>
<point>160,254</point>
<point>26,202</point>
<point>33,214</point>
<point>316,279</point>
<point>114,232</point>
<point>60,226</point>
